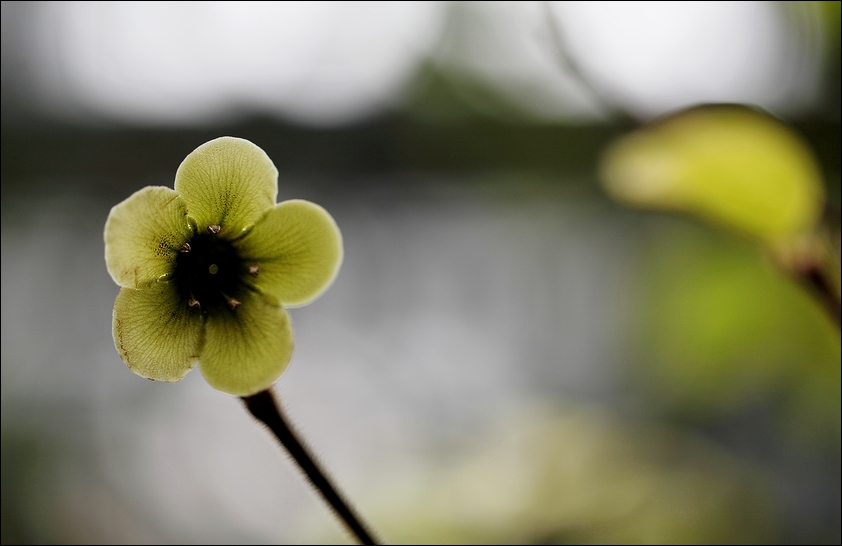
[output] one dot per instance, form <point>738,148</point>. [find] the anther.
<point>254,270</point>
<point>194,304</point>
<point>234,303</point>
<point>214,229</point>
<point>213,269</point>
<point>185,247</point>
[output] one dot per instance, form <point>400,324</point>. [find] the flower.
<point>207,269</point>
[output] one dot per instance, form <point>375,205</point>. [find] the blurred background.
<point>510,354</point>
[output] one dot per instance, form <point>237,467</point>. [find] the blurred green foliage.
<point>722,329</point>
<point>717,330</point>
<point>575,475</point>
<point>723,326</point>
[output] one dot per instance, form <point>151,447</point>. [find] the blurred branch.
<point>819,271</point>
<point>568,64</point>
<point>816,280</point>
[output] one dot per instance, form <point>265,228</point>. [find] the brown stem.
<point>815,279</point>
<point>265,409</point>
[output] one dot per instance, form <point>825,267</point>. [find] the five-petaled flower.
<point>207,269</point>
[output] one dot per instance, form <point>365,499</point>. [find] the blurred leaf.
<point>727,164</point>
<point>723,329</point>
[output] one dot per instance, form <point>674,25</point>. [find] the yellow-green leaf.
<point>157,336</point>
<point>228,182</point>
<point>297,248</point>
<point>143,235</point>
<point>246,349</point>
<point>730,165</point>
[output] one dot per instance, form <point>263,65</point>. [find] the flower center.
<point>209,272</point>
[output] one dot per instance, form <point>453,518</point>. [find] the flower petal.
<point>247,349</point>
<point>298,249</point>
<point>228,182</point>
<point>143,235</point>
<point>157,336</point>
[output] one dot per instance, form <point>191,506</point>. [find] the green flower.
<point>207,269</point>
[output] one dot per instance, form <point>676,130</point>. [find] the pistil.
<point>209,272</point>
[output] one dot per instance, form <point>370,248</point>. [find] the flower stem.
<point>267,410</point>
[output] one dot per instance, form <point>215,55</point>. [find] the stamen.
<point>213,269</point>
<point>214,229</point>
<point>194,304</point>
<point>233,303</point>
<point>254,270</point>
<point>185,247</point>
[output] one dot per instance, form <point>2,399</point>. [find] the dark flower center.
<point>209,273</point>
